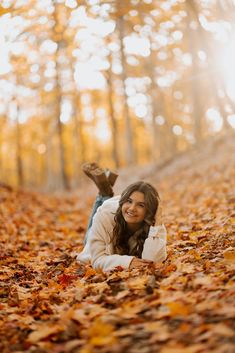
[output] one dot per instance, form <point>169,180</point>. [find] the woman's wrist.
<point>136,262</point>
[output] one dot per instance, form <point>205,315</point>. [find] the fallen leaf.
<point>43,332</point>
<point>229,254</point>
<point>101,333</point>
<point>179,308</point>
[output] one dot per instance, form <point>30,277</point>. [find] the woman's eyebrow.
<point>139,203</point>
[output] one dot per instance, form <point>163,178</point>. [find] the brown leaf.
<point>13,297</point>
<point>43,332</point>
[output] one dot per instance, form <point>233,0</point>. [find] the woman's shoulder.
<point>104,217</point>
<point>105,213</point>
<point>110,204</point>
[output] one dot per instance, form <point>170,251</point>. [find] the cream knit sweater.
<point>99,247</point>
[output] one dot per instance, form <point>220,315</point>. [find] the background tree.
<point>125,83</point>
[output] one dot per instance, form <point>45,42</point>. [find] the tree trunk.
<point>79,128</point>
<point>114,128</point>
<point>19,162</point>
<point>169,137</point>
<point>130,155</point>
<point>153,89</point>
<point>195,89</point>
<point>58,94</point>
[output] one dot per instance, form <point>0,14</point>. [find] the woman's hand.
<point>138,263</point>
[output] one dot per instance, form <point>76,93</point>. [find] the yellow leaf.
<point>101,333</point>
<point>130,308</point>
<point>195,254</point>
<point>90,272</point>
<point>87,349</point>
<point>229,254</point>
<point>99,287</point>
<point>232,220</point>
<point>102,340</point>
<point>137,283</point>
<point>3,11</point>
<point>186,267</point>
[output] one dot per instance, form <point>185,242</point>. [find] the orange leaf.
<point>229,254</point>
<point>65,279</point>
<point>179,309</point>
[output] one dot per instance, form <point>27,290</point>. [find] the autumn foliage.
<point>121,82</point>
<point>50,303</point>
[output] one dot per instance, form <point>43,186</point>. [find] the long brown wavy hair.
<point>125,244</point>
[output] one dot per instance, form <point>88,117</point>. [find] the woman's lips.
<point>130,214</point>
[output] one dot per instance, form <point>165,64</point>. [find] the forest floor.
<point>50,303</point>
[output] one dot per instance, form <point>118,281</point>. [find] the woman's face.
<point>134,210</point>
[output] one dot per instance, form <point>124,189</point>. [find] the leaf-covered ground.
<point>50,303</point>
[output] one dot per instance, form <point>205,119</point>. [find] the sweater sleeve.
<point>100,244</point>
<point>155,245</point>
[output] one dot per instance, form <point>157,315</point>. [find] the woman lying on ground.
<point>121,229</point>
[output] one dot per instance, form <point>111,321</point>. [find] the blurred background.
<point>123,83</point>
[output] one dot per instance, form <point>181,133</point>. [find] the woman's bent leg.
<point>98,202</point>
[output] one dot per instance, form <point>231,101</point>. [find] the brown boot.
<point>97,174</point>
<point>111,176</point>
<point>88,168</point>
<point>102,182</point>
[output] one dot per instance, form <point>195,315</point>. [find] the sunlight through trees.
<point>119,82</point>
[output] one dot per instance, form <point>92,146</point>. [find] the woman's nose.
<point>132,206</point>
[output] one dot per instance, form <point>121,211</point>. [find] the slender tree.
<point>114,127</point>
<point>58,39</point>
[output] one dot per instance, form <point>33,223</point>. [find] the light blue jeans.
<point>98,202</point>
